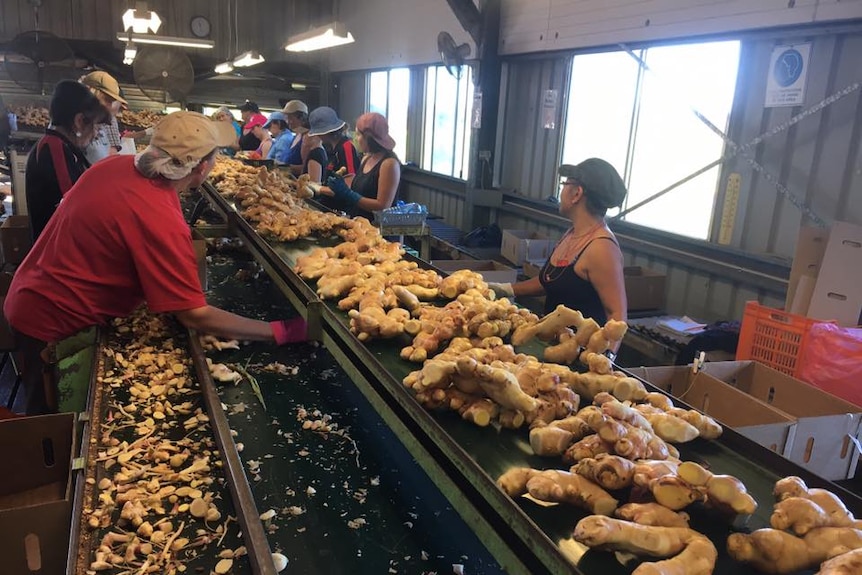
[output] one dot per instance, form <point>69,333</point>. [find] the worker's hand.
<point>502,289</point>
<point>342,191</point>
<point>289,330</point>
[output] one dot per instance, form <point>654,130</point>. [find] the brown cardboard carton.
<point>15,239</point>
<point>491,271</point>
<point>532,268</point>
<point>826,426</point>
<point>732,407</point>
<point>836,293</point>
<point>200,244</point>
<point>520,245</point>
<point>645,288</point>
<point>810,248</point>
<point>36,500</point>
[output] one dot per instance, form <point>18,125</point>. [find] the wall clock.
<point>200,26</point>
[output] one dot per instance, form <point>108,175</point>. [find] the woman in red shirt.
<point>118,240</point>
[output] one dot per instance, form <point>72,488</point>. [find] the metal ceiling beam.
<point>469,17</point>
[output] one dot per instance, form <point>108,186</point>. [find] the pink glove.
<point>289,330</point>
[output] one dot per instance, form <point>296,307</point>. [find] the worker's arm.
<point>220,323</point>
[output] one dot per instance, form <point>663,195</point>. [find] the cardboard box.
<point>810,248</point>
<point>520,245</point>
<point>732,407</point>
<point>532,268</point>
<point>836,293</point>
<point>36,500</point>
<point>645,288</point>
<point>15,239</point>
<point>826,425</point>
<point>491,271</point>
<point>200,244</point>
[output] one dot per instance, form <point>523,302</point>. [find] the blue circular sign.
<point>788,67</point>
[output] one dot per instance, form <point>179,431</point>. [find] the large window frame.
<point>640,119</point>
<point>384,94</point>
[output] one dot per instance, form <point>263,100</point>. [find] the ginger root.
<point>652,514</point>
<point>849,563</point>
<point>563,487</point>
<point>801,515</point>
<point>829,502</point>
<point>691,552</point>
<point>550,326</point>
<point>722,491</point>
<point>608,471</point>
<point>779,552</point>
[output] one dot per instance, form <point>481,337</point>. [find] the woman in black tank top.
<point>375,184</point>
<point>585,270</point>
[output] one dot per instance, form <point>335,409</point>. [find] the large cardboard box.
<point>810,248</point>
<point>15,239</point>
<point>645,288</point>
<point>520,245</point>
<point>732,407</point>
<point>836,292</point>
<point>491,271</point>
<point>36,499</point>
<point>532,268</point>
<point>827,427</point>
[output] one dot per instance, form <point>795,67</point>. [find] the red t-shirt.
<point>117,239</point>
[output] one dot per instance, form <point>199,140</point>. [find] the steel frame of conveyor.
<point>254,537</point>
<point>79,464</point>
<point>514,540</point>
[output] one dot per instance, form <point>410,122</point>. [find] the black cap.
<point>600,180</point>
<point>249,106</point>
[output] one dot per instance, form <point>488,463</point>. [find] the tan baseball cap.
<point>104,82</point>
<point>190,136</point>
<point>295,106</point>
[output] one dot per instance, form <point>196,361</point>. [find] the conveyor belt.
<point>539,536</point>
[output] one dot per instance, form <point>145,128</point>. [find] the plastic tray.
<point>394,219</point>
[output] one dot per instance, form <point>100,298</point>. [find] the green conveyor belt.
<point>493,452</point>
<point>367,474</point>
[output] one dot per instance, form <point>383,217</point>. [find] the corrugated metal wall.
<point>818,159</point>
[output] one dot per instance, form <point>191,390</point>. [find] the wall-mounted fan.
<point>453,54</point>
<point>36,60</point>
<point>164,74</point>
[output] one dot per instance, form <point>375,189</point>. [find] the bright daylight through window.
<point>388,92</point>
<point>447,132</point>
<point>641,121</point>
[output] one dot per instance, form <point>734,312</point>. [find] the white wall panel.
<point>587,23</point>
<point>394,33</point>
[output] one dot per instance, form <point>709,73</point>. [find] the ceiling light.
<point>224,68</point>
<point>295,86</point>
<point>165,40</point>
<point>334,34</point>
<point>129,53</point>
<point>140,20</point>
<point>246,59</point>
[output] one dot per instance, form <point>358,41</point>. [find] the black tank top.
<point>563,286</point>
<point>366,184</point>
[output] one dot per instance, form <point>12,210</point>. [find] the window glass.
<point>641,121</point>
<point>447,133</point>
<point>387,95</point>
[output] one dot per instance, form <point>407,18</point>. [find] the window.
<point>641,122</point>
<point>447,133</point>
<point>387,95</point>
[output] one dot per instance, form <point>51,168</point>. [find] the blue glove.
<point>342,191</point>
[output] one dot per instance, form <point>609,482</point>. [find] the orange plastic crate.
<point>773,337</point>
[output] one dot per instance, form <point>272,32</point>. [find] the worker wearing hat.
<point>585,269</point>
<point>119,239</point>
<point>107,141</point>
<point>332,130</point>
<point>282,137</point>
<point>375,185</point>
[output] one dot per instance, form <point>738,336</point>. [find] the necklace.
<point>553,272</point>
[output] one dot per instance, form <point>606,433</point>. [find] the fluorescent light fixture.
<point>165,40</point>
<point>295,86</point>
<point>246,59</point>
<point>141,20</point>
<point>334,34</point>
<point>129,53</point>
<point>224,68</point>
